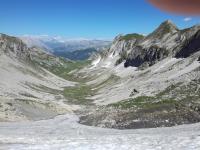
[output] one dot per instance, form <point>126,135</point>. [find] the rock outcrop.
<point>27,90</point>
<point>13,47</point>
<point>190,46</point>
<point>167,40</point>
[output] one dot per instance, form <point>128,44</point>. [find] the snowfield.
<point>64,133</point>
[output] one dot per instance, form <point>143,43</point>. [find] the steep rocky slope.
<point>27,90</point>
<point>9,47</point>
<point>167,40</point>
<point>155,84</point>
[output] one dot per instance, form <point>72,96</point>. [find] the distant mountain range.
<point>65,47</point>
<point>76,55</point>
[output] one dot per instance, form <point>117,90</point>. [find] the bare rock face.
<point>124,43</point>
<point>13,47</point>
<point>28,90</point>
<point>190,46</point>
<point>167,40</point>
<point>166,28</point>
<point>140,56</point>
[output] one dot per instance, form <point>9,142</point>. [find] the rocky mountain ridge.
<point>28,91</point>
<point>14,47</point>
<point>167,40</point>
<point>149,81</point>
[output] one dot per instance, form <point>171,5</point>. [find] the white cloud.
<point>187,19</point>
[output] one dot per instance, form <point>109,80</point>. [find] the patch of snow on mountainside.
<point>96,62</point>
<point>124,72</point>
<point>63,132</point>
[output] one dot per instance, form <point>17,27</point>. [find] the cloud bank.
<point>187,19</point>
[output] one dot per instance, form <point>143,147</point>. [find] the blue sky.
<point>83,18</point>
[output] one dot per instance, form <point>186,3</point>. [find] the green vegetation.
<point>144,102</point>
<point>64,70</point>
<point>147,102</point>
<point>57,65</point>
<point>78,94</point>
<point>82,54</point>
<point>168,90</point>
<point>131,36</point>
<point>187,93</point>
<point>42,88</point>
<point>175,95</point>
<point>129,103</point>
<point>69,66</point>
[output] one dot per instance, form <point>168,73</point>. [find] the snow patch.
<point>63,132</point>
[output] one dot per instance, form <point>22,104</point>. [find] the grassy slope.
<point>178,104</point>
<point>77,55</point>
<point>128,37</point>
<point>80,93</point>
<point>174,94</point>
<point>152,111</point>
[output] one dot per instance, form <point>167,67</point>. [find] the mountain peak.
<point>168,22</point>
<point>168,25</point>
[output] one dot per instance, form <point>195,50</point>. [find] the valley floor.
<point>49,103</point>
<point>63,132</point>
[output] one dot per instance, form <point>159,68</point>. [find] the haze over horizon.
<point>84,19</point>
